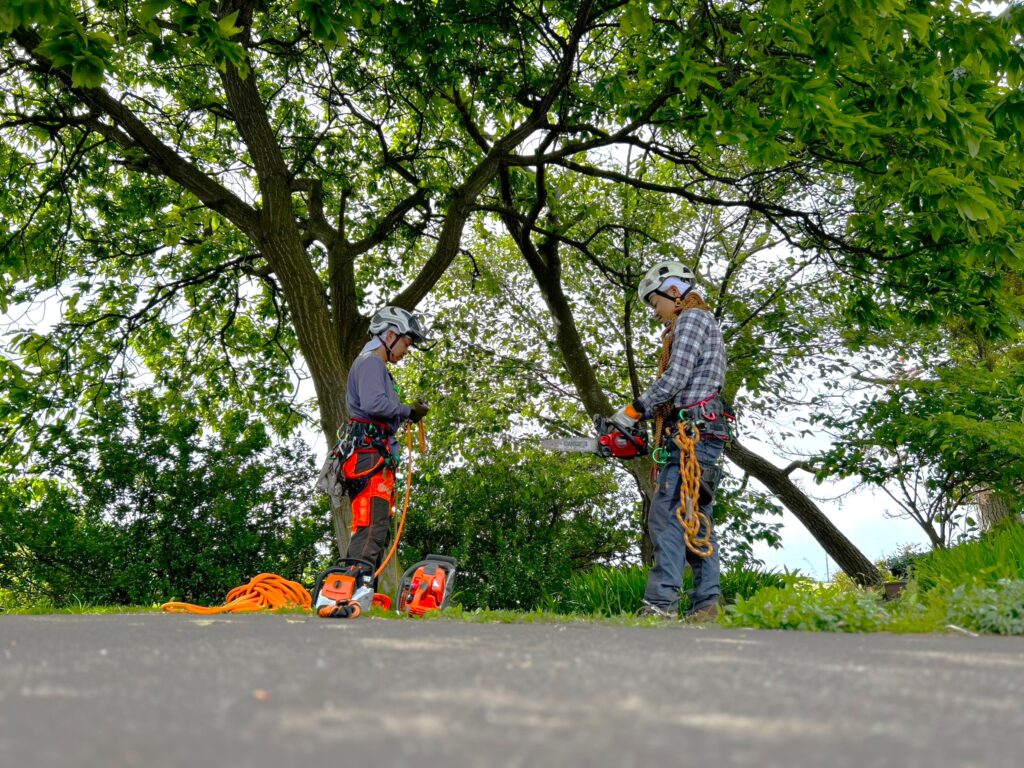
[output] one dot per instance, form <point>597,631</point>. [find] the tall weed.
<point>608,591</point>
<point>996,556</point>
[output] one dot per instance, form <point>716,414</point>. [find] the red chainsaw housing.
<point>621,447</point>
<point>425,592</point>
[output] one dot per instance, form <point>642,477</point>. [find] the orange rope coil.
<point>267,590</point>
<point>688,512</point>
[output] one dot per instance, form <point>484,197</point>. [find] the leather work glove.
<point>626,417</point>
<point>419,410</point>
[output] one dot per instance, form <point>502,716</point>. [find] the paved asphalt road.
<point>277,691</point>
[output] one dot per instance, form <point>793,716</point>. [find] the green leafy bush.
<point>142,507</point>
<point>997,609</point>
<point>804,605</point>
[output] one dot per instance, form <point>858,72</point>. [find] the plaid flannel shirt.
<point>696,365</point>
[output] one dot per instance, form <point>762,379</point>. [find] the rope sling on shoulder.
<point>689,514</point>
<point>686,437</point>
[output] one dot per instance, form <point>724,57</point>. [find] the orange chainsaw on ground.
<point>426,586</point>
<point>347,590</point>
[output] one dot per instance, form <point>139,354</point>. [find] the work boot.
<point>705,615</point>
<point>652,611</point>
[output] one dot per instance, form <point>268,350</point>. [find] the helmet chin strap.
<point>389,347</point>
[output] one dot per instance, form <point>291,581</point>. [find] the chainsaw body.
<point>426,585</point>
<point>345,590</point>
<point>612,441</point>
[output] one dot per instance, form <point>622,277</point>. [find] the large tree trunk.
<point>993,508</point>
<point>776,480</point>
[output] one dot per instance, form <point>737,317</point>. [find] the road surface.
<point>155,690</point>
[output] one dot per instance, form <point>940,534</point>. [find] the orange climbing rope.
<point>688,512</point>
<point>408,491</point>
<point>268,590</point>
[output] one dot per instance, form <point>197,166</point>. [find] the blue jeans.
<point>670,553</point>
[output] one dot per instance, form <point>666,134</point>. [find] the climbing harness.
<point>267,590</point>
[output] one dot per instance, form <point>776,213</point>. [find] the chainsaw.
<point>612,441</point>
<point>346,590</point>
<point>426,586</point>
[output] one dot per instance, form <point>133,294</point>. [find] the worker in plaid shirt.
<point>692,374</point>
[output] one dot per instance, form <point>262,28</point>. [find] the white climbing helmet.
<point>661,272</point>
<point>401,321</point>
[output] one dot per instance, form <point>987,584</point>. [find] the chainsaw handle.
<point>444,559</point>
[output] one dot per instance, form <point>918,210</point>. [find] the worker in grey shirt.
<point>368,445</point>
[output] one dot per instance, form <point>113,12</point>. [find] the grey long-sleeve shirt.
<point>371,393</point>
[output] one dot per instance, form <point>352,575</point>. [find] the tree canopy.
<point>220,194</point>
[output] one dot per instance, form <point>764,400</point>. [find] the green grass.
<point>612,592</point>
<point>977,586</point>
<point>996,556</point>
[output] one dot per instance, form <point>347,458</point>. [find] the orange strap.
<point>408,491</point>
<point>268,590</point>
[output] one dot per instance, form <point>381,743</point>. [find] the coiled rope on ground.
<point>267,590</point>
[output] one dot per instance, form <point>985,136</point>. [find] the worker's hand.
<point>419,410</point>
<point>626,417</point>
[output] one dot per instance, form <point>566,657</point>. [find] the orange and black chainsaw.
<point>426,586</point>
<point>346,590</point>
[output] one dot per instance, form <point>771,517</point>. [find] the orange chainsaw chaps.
<point>381,486</point>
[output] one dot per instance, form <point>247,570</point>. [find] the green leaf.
<point>226,25</point>
<point>151,8</point>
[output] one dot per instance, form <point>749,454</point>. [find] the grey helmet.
<point>401,321</point>
<point>661,272</point>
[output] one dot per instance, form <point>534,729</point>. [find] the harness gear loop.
<point>689,514</point>
<point>267,590</point>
